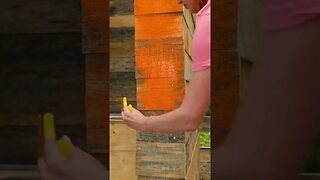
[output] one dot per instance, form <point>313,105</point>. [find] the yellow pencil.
<point>49,133</point>
<point>125,104</point>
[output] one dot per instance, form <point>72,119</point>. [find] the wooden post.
<point>161,46</point>
<point>95,47</point>
<point>226,67</point>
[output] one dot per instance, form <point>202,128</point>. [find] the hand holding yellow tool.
<point>49,133</point>
<point>125,104</point>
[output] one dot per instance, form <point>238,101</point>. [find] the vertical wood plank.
<point>226,68</point>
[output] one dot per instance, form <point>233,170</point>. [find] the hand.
<point>134,119</point>
<point>80,166</point>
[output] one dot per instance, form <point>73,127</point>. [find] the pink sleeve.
<point>201,40</point>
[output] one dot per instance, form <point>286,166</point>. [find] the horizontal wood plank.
<point>144,7</point>
<point>121,21</point>
<point>39,16</point>
<point>121,7</point>
<point>158,26</point>
<point>160,159</point>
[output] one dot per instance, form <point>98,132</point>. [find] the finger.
<point>66,138</point>
<point>42,169</point>
<point>52,155</point>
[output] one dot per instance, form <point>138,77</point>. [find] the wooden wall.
<point>41,70</point>
<point>122,56</point>
<point>95,46</point>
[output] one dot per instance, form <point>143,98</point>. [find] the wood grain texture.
<point>226,68</point>
<point>160,159</point>
<point>96,85</point>
<point>226,90</point>
<point>121,21</point>
<point>158,26</point>
<point>121,7</point>
<point>95,23</point>
<point>160,71</point>
<point>122,84</point>
<point>122,151</point>
<point>205,164</point>
<point>144,7</point>
<point>39,16</point>
<point>225,26</point>
<point>193,171</point>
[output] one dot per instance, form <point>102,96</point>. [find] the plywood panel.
<point>122,151</point>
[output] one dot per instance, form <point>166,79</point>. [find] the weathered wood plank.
<point>226,90</point>
<point>225,26</point>
<point>121,85</point>
<point>157,178</point>
<point>187,67</point>
<point>123,165</point>
<point>122,64</point>
<point>121,21</point>
<point>205,164</point>
<point>97,86</point>
<point>122,49</point>
<point>121,7</point>
<point>193,169</point>
<point>160,137</point>
<point>122,138</point>
<point>191,146</point>
<point>121,34</point>
<point>160,159</point>
<point>39,16</point>
<point>122,151</point>
<point>187,15</point>
<point>144,7</point>
<point>95,24</point>
<point>41,73</point>
<point>187,39</point>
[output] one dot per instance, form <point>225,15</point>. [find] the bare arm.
<point>279,115</point>
<point>186,118</point>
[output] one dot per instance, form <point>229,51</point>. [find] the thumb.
<point>66,138</point>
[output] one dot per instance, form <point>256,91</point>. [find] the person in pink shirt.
<point>279,115</point>
<point>83,166</point>
<point>196,101</point>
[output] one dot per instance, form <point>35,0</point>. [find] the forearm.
<point>173,121</point>
<point>189,115</point>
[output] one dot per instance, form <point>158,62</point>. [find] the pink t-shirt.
<point>201,39</point>
<point>280,14</point>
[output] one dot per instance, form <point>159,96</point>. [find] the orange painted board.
<point>160,74</point>
<point>160,93</point>
<point>143,7</point>
<point>158,26</point>
<point>160,58</point>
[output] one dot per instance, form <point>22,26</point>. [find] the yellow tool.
<point>49,133</point>
<point>125,104</point>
